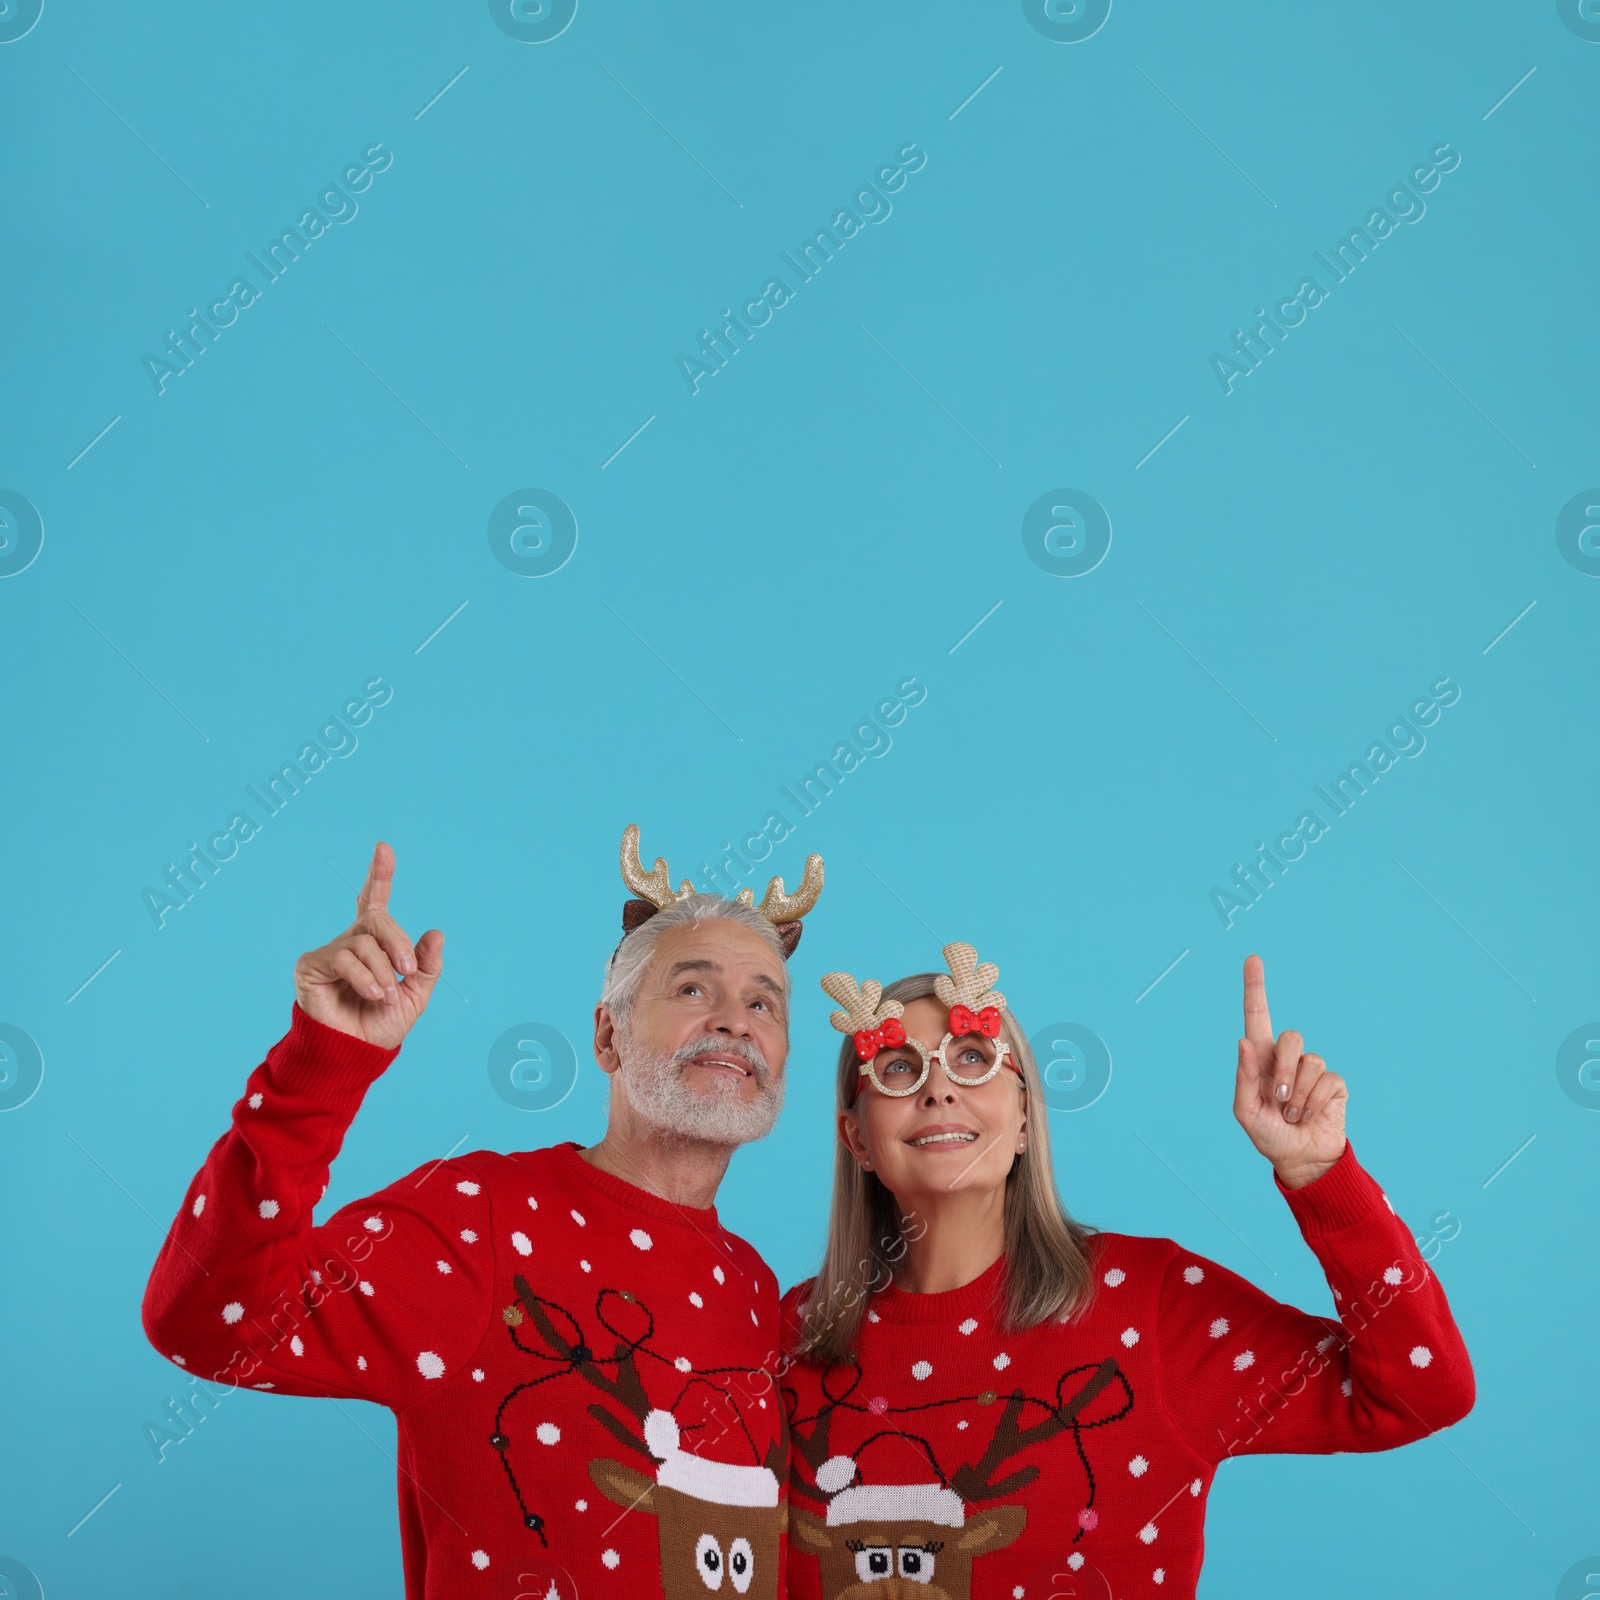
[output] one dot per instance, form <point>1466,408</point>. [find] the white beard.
<point>656,1088</point>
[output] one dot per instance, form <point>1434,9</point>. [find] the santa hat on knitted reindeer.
<point>719,1482</point>
<point>851,1501</point>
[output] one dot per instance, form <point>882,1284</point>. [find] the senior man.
<point>574,1347</point>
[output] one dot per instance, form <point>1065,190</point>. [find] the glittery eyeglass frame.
<point>1001,1051</point>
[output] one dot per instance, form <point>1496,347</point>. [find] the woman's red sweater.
<point>1075,1457</point>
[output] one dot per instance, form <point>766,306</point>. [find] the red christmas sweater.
<point>580,1370</point>
<point>1075,1458</point>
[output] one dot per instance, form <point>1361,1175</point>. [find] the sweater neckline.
<point>898,1305</point>
<point>627,1195</point>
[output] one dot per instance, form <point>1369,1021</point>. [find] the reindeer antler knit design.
<point>568,1352</point>
<point>988,1478</point>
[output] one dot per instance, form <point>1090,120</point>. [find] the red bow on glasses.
<point>886,1036</point>
<point>964,1021</point>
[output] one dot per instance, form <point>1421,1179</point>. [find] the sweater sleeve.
<point>389,1294</point>
<point>1242,1374</point>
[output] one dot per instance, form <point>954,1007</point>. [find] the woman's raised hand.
<point>371,981</point>
<point>1287,1101</point>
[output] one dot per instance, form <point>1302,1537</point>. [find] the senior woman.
<point>989,1398</point>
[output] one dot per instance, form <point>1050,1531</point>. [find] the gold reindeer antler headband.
<point>655,888</point>
<point>653,892</point>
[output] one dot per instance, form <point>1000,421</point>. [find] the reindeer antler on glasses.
<point>863,1003</point>
<point>975,1006</point>
<point>968,984</point>
<point>874,1021</point>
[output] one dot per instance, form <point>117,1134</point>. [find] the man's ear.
<point>605,1039</point>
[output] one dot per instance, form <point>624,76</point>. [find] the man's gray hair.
<point>632,957</point>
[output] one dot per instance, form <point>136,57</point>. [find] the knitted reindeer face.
<point>918,1541</point>
<point>707,1543</point>
<point>718,1522</point>
<point>874,1545</point>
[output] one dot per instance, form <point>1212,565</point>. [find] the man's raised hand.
<point>371,981</point>
<point>1287,1101</point>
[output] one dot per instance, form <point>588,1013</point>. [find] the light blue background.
<point>807,530</point>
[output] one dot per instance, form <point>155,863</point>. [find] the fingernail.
<point>408,962</point>
<point>1282,1091</point>
<point>1292,1114</point>
<point>377,993</point>
<point>392,992</point>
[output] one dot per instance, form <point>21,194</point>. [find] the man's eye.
<point>690,988</point>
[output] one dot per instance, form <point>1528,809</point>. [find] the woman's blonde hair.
<point>1047,1270</point>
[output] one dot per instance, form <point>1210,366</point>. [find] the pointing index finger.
<point>1257,1019</point>
<point>374,895</point>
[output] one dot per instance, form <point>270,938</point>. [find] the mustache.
<point>742,1048</point>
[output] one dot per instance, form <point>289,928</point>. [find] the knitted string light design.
<point>973,1481</point>
<point>570,1353</point>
